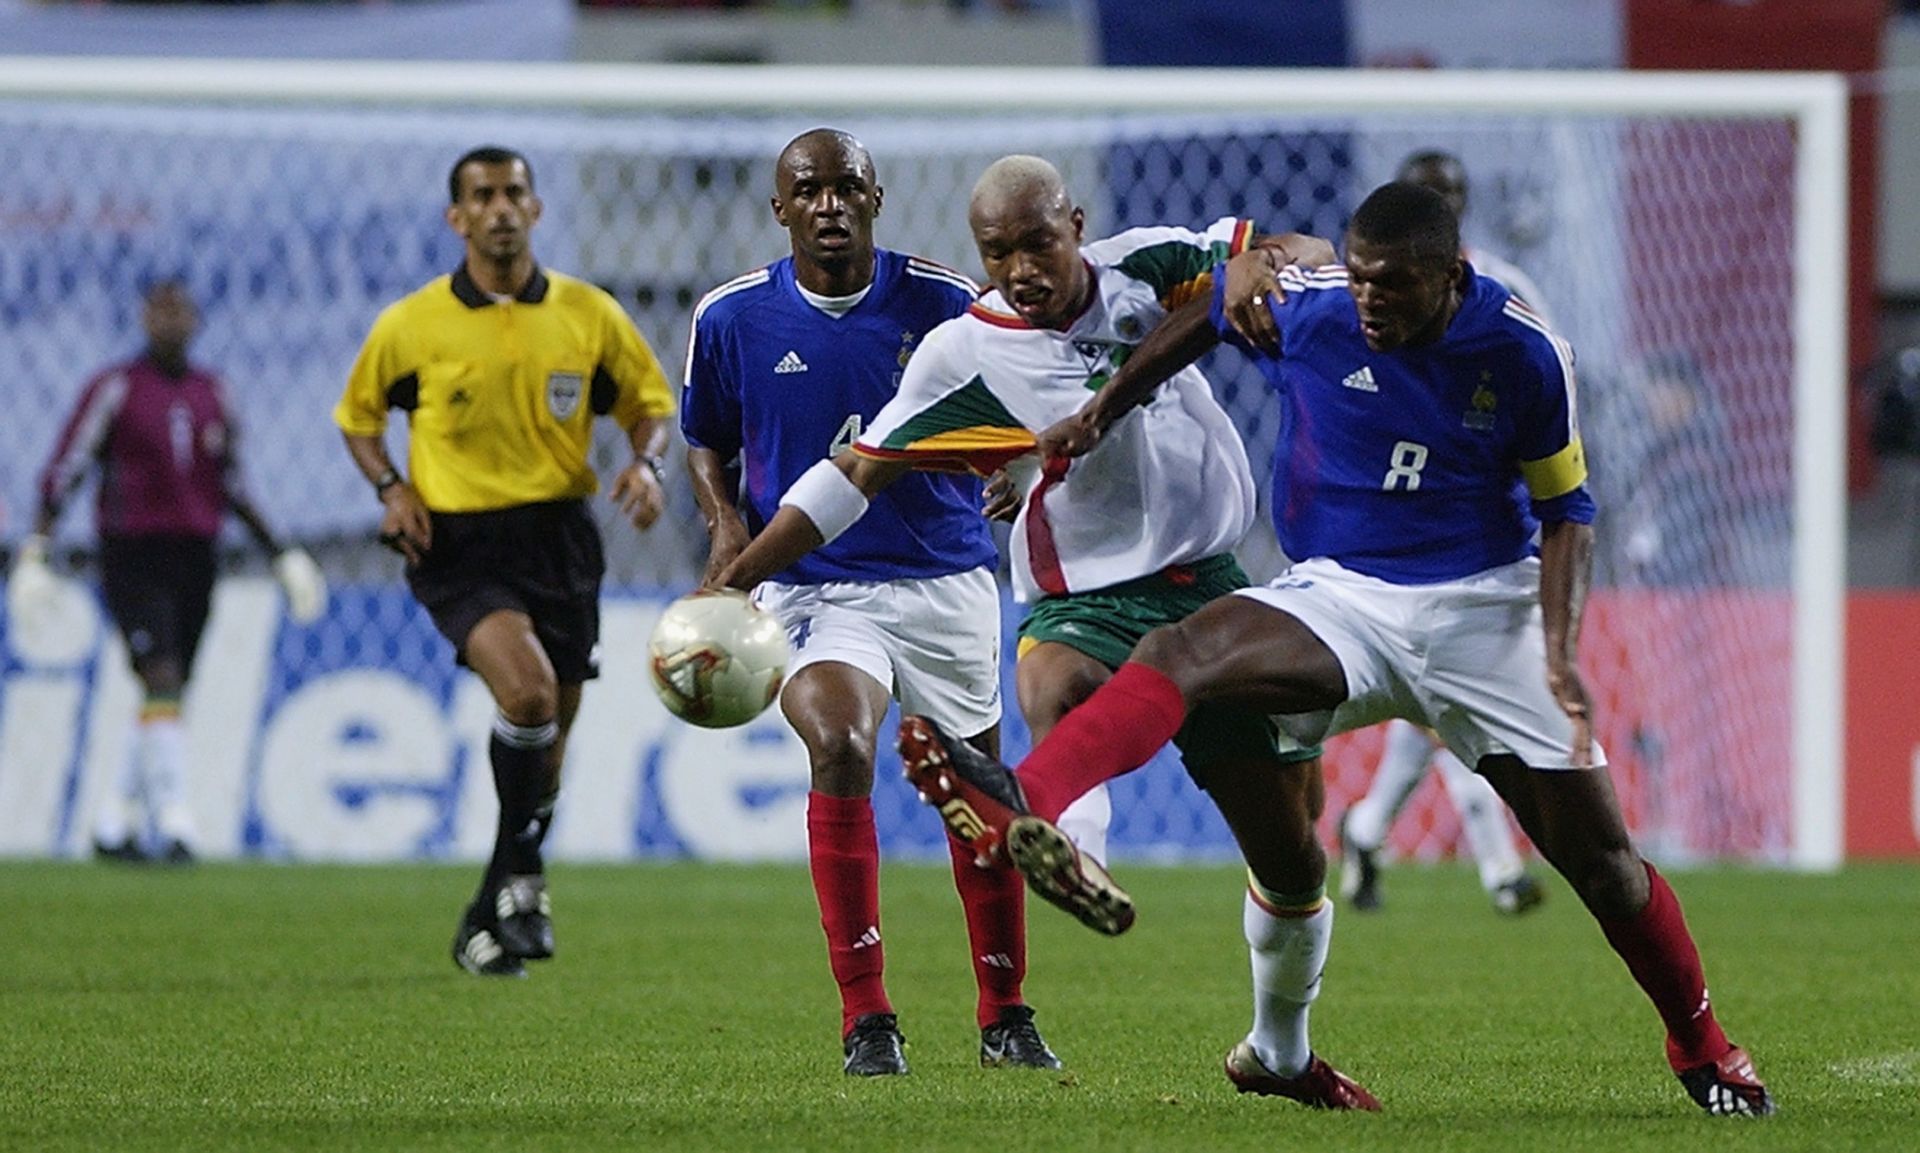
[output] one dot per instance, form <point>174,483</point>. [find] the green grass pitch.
<point>280,1007</point>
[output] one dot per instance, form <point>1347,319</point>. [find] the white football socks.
<point>1402,763</point>
<point>1085,822</point>
<point>113,821</point>
<point>163,743</point>
<point>1483,821</point>
<point>1288,954</point>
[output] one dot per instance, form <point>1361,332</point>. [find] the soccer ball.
<point>718,659</point>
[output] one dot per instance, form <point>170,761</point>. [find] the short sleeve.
<point>1176,263</point>
<point>710,413</point>
<point>381,365</point>
<point>944,416</point>
<point>1552,459</point>
<point>640,388</point>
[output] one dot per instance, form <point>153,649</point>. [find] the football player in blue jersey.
<point>1409,750</point>
<point>786,365</point>
<point>1429,430</point>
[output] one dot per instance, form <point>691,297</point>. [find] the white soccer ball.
<point>718,659</point>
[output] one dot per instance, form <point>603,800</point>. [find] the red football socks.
<point>995,902</point>
<point>1660,954</point>
<point>844,855</point>
<point>1113,732</point>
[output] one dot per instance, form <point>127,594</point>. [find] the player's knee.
<point>1172,650</point>
<point>1062,697</point>
<point>841,759</point>
<point>1611,883</point>
<point>529,701</point>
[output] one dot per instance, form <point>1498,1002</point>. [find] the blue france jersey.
<point>780,385</point>
<point>1422,464</point>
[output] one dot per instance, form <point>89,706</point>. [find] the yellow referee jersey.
<point>500,395</point>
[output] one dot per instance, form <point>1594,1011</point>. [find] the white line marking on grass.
<point>1893,1069</point>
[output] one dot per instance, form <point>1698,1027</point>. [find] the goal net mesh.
<point>1661,247</point>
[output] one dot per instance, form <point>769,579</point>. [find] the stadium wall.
<point>355,739</point>
<point>1883,727</point>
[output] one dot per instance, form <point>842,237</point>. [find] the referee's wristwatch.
<point>385,481</point>
<point>657,465</point>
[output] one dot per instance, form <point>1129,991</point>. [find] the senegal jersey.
<point>780,384</point>
<point>1169,483</point>
<point>500,395</point>
<point>1422,464</point>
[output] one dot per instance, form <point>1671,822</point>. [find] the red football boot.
<point>1728,1087</point>
<point>1321,1086</point>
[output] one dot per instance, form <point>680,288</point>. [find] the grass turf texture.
<point>264,1007</point>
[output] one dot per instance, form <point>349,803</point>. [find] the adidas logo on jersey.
<point>1362,380</point>
<point>791,362</point>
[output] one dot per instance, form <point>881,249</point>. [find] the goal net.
<point>1676,241</point>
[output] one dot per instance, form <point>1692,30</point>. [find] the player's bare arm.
<point>1183,337</point>
<point>243,509</point>
<point>792,533</point>
<point>404,525</point>
<point>638,490</point>
<point>1566,569</point>
<point>713,488</point>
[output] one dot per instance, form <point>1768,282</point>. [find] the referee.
<point>501,368</point>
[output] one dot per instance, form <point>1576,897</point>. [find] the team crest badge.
<point>1480,417</point>
<point>563,393</point>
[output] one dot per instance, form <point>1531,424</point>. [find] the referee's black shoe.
<point>477,949</point>
<point>525,928</point>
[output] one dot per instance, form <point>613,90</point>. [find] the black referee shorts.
<point>543,560</point>
<point>157,590</point>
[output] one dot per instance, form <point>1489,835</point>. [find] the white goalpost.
<point>1688,232</point>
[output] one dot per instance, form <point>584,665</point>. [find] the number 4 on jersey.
<point>1408,459</point>
<point>849,432</point>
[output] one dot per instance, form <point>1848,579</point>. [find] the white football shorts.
<point>1466,658</point>
<point>933,642</point>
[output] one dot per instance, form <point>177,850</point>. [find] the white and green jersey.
<point>1169,483</point>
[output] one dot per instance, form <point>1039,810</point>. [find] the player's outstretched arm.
<point>1566,569</point>
<point>825,502</point>
<point>1297,248</point>
<point>1183,337</point>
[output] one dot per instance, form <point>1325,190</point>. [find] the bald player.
<point>1136,534</point>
